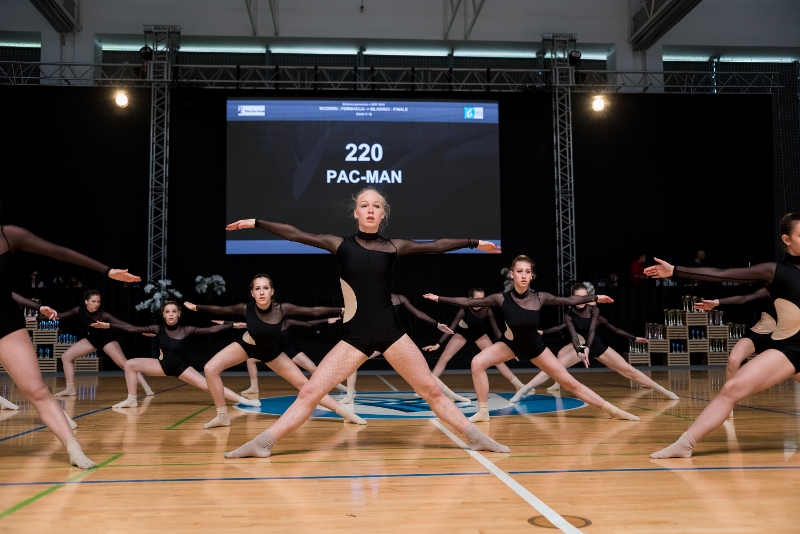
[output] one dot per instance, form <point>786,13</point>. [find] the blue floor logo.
<point>405,405</point>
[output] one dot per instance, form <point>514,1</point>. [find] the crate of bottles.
<point>716,358</point>
<point>63,342</point>
<point>678,358</point>
<point>90,362</point>
<point>717,332</point>
<point>660,346</point>
<point>677,332</point>
<point>697,318</point>
<point>45,337</point>
<point>697,345</point>
<point>638,358</point>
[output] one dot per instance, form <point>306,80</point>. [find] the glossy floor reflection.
<point>161,470</point>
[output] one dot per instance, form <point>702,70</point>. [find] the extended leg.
<point>114,351</point>
<point>224,359</point>
<point>304,362</point>
<point>78,350</point>
<point>133,369</point>
<point>453,346</point>
<point>611,359</point>
<point>566,356</point>
<point>252,370</point>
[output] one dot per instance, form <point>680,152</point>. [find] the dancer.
<point>93,339</point>
<point>16,350</point>
<point>171,340</point>
<point>399,302</point>
<point>777,363</point>
<point>521,309</point>
<point>469,324</point>
<point>287,345</point>
<point>264,318</point>
<point>365,261</point>
<point>582,320</point>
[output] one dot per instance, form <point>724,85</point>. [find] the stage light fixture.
<point>146,52</point>
<point>121,100</point>
<point>598,103</point>
<point>574,58</point>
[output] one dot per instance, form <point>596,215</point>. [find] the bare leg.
<point>484,343</point>
<point>455,344</point>
<point>743,348</point>
<point>193,378</point>
<point>114,351</point>
<point>764,371</point>
<point>304,362</point>
<point>79,349</point>
<point>566,356</point>
<point>611,359</point>
<point>134,368</point>
<point>252,370</point>
<point>19,360</point>
<point>224,359</point>
<point>350,395</point>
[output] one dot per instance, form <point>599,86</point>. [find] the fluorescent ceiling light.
<point>406,52</point>
<point>116,47</point>
<point>223,49</point>
<point>756,59</point>
<point>314,50</point>
<point>496,53</point>
<point>16,44</point>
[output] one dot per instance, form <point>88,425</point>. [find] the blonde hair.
<point>386,208</point>
<point>525,259</point>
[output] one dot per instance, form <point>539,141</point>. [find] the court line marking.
<point>387,383</point>
<point>504,477</point>
<point>198,412</point>
<point>38,428</point>
<point>651,469</point>
<point>253,479</point>
<point>48,491</point>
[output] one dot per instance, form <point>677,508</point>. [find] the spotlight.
<point>598,103</point>
<point>122,100</point>
<point>574,58</point>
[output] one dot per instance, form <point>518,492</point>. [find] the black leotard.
<point>582,326</point>
<point>521,312</point>
<point>783,284</point>
<point>286,343</point>
<point>471,324</point>
<point>171,340</point>
<point>15,239</point>
<point>365,264</point>
<point>761,332</point>
<point>98,337</point>
<point>264,326</point>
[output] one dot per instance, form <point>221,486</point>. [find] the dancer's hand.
<point>444,328</point>
<point>488,246</point>
<point>642,340</point>
<point>148,334</point>
<point>334,320</point>
<point>540,332</point>
<point>604,299</point>
<point>431,348</point>
<point>241,225</point>
<point>190,306</point>
<point>100,324</point>
<point>239,325</point>
<point>123,275</point>
<point>706,304</point>
<point>584,358</point>
<point>431,296</point>
<point>48,312</point>
<point>662,270</point>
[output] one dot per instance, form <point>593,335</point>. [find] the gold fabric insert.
<point>788,319</point>
<point>247,338</point>
<point>765,325</point>
<point>350,301</point>
<point>462,324</point>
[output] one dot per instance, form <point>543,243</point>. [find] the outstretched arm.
<point>315,322</point>
<point>491,301</point>
<point>604,322</point>
<point>554,329</point>
<point>733,301</point>
<point>324,241</point>
<point>233,309</point>
<point>21,239</point>
<point>125,327</point>
<point>416,313</point>
<point>552,300</point>
<point>407,246</point>
<point>493,323</point>
<point>46,311</point>
<point>316,311</point>
<point>68,314</point>
<point>573,334</point>
<point>763,272</point>
<point>453,325</point>
<point>195,331</point>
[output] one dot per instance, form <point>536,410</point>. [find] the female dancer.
<point>470,325</point>
<point>89,312</point>
<point>171,340</point>
<point>777,363</point>
<point>521,309</point>
<point>582,320</point>
<point>366,260</point>
<point>264,318</point>
<point>16,351</point>
<point>399,302</point>
<point>287,345</point>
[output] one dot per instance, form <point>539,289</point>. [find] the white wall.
<point>744,23</point>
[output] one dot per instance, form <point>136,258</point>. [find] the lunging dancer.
<point>16,350</point>
<point>522,307</point>
<point>582,321</point>
<point>775,364</point>
<point>171,339</point>
<point>469,324</point>
<point>287,345</point>
<point>366,260</point>
<point>93,339</point>
<point>264,318</point>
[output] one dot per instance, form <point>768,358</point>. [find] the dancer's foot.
<point>260,447</point>
<point>72,424</point>
<point>249,402</point>
<point>478,441</point>
<point>517,383</point>
<point>680,449</point>
<point>147,391</point>
<point>6,404</point>
<point>68,392</point>
<point>668,394</point>
<point>349,415</point>
<point>555,387</point>
<point>341,388</point>
<point>482,415</point>
<point>130,402</point>
<point>220,420</point>
<point>253,389</point>
<point>349,398</point>
<point>76,456</point>
<point>523,392</point>
<point>616,413</point>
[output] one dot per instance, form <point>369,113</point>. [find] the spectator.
<point>613,279</point>
<point>637,269</point>
<point>35,282</point>
<point>74,282</point>
<point>700,259</point>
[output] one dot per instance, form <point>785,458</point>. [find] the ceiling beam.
<point>451,8</point>
<point>655,18</point>
<point>63,15</point>
<point>470,19</point>
<point>252,12</point>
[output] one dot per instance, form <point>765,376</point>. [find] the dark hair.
<point>386,207</point>
<point>471,292</point>
<point>576,287</point>
<point>262,275</point>
<point>174,303</point>
<point>89,294</point>
<point>526,259</point>
<point>788,221</point>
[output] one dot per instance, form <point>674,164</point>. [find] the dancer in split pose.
<point>777,363</point>
<point>93,339</point>
<point>171,339</point>
<point>264,318</point>
<point>399,302</point>
<point>582,321</point>
<point>16,351</point>
<point>365,261</point>
<point>470,324</point>
<point>522,307</point>
<point>286,344</point>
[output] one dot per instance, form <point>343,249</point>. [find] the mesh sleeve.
<point>21,239</point>
<point>465,302</point>
<point>297,322</point>
<point>25,303</point>
<point>407,246</point>
<point>593,326</point>
<point>572,333</point>
<point>233,309</point>
<point>604,323</point>
<point>196,331</point>
<point>133,329</point>
<point>763,272</point>
<point>416,313</point>
<point>554,329</point>
<point>68,314</point>
<point>744,299</point>
<point>453,325</point>
<point>552,300</point>
<point>316,311</point>
<point>493,323</point>
<point>324,241</point>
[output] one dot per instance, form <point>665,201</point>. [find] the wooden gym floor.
<point>159,470</point>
